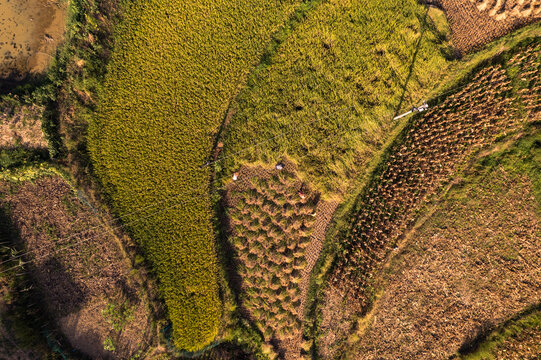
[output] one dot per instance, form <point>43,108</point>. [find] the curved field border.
<point>494,54</point>
<point>174,67</point>
<point>523,327</point>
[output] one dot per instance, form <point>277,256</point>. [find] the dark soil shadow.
<point>66,296</point>
<point>26,312</point>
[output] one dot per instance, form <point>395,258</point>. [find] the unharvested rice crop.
<point>271,220</point>
<point>172,72</point>
<point>331,89</point>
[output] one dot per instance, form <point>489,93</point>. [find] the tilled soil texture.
<point>474,264</point>
<point>30,31</point>
<point>20,125</point>
<point>80,268</point>
<point>475,23</point>
<point>430,151</point>
<point>278,226</point>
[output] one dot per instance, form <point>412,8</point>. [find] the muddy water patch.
<point>30,31</point>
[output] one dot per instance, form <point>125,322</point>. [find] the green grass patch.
<point>485,347</point>
<point>174,68</point>
<point>334,85</point>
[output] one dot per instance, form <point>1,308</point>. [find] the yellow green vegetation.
<point>173,70</point>
<point>334,85</point>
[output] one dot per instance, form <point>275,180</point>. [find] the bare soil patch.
<point>471,266</point>
<point>20,125</point>
<point>30,31</point>
<point>475,23</point>
<point>80,268</point>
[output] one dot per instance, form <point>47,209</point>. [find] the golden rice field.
<point>334,85</point>
<point>175,66</point>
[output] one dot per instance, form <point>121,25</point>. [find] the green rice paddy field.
<point>334,86</point>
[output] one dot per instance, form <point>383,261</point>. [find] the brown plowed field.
<point>431,150</point>
<point>80,269</point>
<point>473,28</point>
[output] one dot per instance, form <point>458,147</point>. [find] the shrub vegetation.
<point>174,67</point>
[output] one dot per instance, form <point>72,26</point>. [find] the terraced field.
<point>490,104</point>
<point>151,106</point>
<point>277,225</point>
<point>467,269</point>
<point>79,268</point>
<point>272,220</point>
<point>175,66</point>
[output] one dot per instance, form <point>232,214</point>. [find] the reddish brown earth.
<point>80,268</point>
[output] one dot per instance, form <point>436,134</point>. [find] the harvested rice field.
<point>82,273</point>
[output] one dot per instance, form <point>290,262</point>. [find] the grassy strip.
<point>20,156</point>
<point>342,61</point>
<point>77,76</point>
<point>484,347</point>
<point>174,67</point>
